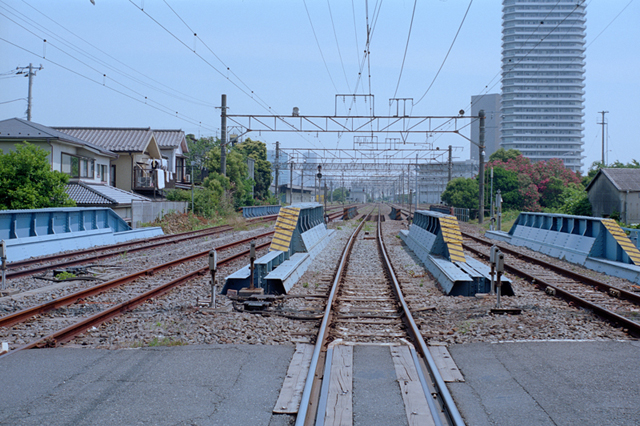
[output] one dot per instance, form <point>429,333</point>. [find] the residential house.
<point>139,165</point>
<point>87,165</point>
<point>173,146</point>
<point>616,191</point>
<point>78,158</point>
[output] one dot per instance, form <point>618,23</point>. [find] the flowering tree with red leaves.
<point>540,184</point>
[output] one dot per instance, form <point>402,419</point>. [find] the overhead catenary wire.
<point>406,47</point>
<point>256,99</point>
<point>335,35</point>
<point>318,44</point>
<point>447,55</point>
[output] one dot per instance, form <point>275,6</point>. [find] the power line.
<point>338,45</point>
<point>406,47</point>
<point>447,55</point>
<point>15,100</point>
<point>318,44</point>
<point>265,106</point>
<point>146,98</point>
<point>214,54</point>
<point>177,114</point>
<point>180,95</point>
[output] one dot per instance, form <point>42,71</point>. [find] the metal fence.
<point>145,211</point>
<point>633,235</point>
<point>461,214</point>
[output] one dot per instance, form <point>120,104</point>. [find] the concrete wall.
<point>145,212</point>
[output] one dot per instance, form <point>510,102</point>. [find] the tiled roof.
<point>83,195</point>
<point>103,195</point>
<point>170,138</point>
<point>111,138</point>
<point>19,129</point>
<point>624,179</point>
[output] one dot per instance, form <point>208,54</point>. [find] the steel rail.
<point>155,242</point>
<point>72,331</point>
<point>303,410</point>
<point>633,327</point>
<point>624,294</point>
<point>414,332</point>
<point>25,314</point>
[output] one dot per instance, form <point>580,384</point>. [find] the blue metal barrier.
<point>435,239</point>
<point>299,236</point>
<point>593,242</point>
<point>258,211</point>
<point>39,232</point>
<point>38,222</point>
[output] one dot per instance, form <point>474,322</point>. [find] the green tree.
<point>461,192</point>
<point>262,170</point>
<point>27,181</point>
<point>339,195</point>
<point>504,155</point>
<point>575,201</point>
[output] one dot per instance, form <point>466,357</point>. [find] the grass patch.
<point>65,276</point>
<point>165,341</point>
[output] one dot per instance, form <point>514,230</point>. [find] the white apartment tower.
<point>542,103</point>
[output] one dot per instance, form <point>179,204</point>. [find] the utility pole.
<point>291,185</point>
<point>603,124</point>
<point>223,136</point>
<point>481,168</point>
<point>277,166</point>
<point>450,164</point>
<point>302,182</point>
<point>31,73</point>
<point>417,193</point>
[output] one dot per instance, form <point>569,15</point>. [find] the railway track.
<point>612,303</point>
<point>119,296</point>
<point>42,264</point>
<point>366,306</point>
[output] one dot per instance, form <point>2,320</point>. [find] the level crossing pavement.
<point>521,383</point>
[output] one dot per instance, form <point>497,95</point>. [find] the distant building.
<point>491,105</point>
<point>284,171</point>
<point>616,191</point>
<point>358,195</point>
<point>433,178</point>
<point>543,53</point>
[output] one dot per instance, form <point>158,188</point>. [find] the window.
<point>78,167</point>
<point>113,175</point>
<point>101,172</point>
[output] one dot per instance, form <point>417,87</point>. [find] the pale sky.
<point>268,48</point>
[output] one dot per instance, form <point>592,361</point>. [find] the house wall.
<point>171,159</point>
<point>7,146</point>
<point>55,150</point>
<point>124,171</point>
<point>604,198</point>
<point>631,206</point>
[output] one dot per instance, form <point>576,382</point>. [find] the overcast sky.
<point>269,48</point>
